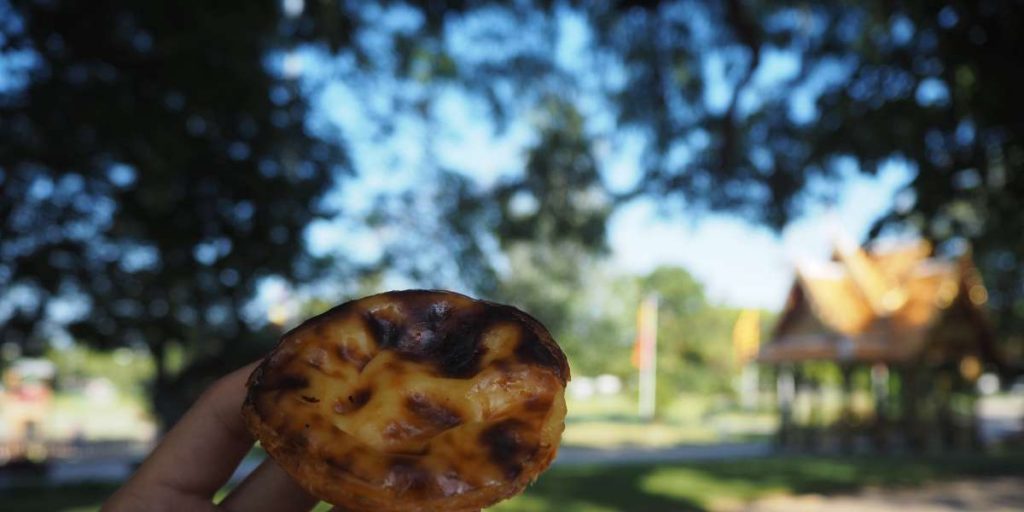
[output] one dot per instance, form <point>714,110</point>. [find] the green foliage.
<point>694,337</point>
<point>158,160</point>
<point>569,291</point>
<point>560,196</point>
<point>927,84</point>
<point>129,370</point>
<point>592,313</point>
<point>155,167</point>
<point>558,200</point>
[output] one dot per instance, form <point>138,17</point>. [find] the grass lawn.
<point>661,487</point>
<point>713,485</point>
<point>610,421</point>
<point>121,417</point>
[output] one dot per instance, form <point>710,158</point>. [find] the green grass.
<point>711,485</point>
<point>662,487</point>
<point>123,417</point>
<point>611,421</point>
<point>72,498</point>
<point>610,434</point>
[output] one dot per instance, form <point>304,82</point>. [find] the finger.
<point>202,450</point>
<point>268,488</point>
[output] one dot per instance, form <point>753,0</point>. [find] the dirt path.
<point>987,495</point>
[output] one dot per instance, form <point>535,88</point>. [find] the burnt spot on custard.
<point>385,332</point>
<point>507,447</point>
<point>432,329</point>
<point>400,430</point>
<point>353,402</point>
<point>539,403</point>
<point>285,382</point>
<point>352,356</point>
<point>406,476</point>
<point>342,464</point>
<point>297,441</point>
<point>532,351</point>
<point>435,415</point>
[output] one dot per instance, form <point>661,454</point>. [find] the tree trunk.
<point>161,394</point>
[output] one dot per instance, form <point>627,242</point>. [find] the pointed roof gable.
<point>873,304</point>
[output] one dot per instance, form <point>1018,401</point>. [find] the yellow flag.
<point>746,336</point>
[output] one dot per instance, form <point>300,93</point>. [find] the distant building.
<point>26,402</point>
<point>897,313</point>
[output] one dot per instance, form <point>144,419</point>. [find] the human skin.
<point>196,458</point>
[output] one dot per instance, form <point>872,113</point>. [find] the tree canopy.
<point>158,160</point>
<point>155,165</point>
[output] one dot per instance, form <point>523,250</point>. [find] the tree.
<point>189,162</point>
<point>549,225</point>
<point>927,84</point>
<point>156,165</point>
<point>750,106</point>
<point>694,337</point>
<point>744,106</point>
<point>588,309</point>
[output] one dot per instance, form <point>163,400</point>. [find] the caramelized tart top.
<point>412,400</point>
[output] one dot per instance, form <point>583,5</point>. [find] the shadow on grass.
<point>78,497</point>
<point>596,489</point>
<point>699,486</point>
<point>678,487</point>
<point>829,475</point>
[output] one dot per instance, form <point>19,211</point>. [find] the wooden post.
<point>813,397</point>
<point>966,429</point>
<point>910,407</point>
<point>785,395</point>
<point>846,411</point>
<point>880,397</point>
<point>944,411</point>
<point>974,441</point>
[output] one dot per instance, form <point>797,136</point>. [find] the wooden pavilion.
<point>894,328</point>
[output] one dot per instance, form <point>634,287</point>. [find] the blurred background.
<point>780,242</point>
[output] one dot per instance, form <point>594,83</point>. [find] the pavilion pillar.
<point>967,431</point>
<point>880,399</point>
<point>944,410</point>
<point>785,395</point>
<point>813,397</point>
<point>910,407</point>
<point>846,409</point>
<point>974,441</point>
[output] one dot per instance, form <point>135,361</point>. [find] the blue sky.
<point>740,263</point>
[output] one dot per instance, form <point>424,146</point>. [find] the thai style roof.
<point>876,304</point>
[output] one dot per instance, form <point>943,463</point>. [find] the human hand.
<point>197,457</point>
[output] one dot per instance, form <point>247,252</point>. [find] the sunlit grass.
<point>610,434</point>
<point>729,484</point>
<point>612,421</point>
<point>119,417</point>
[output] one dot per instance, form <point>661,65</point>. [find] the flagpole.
<point>649,360</point>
